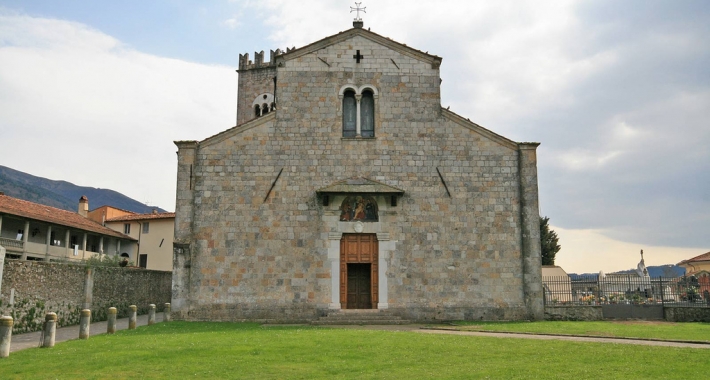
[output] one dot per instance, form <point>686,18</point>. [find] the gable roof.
<point>478,129</point>
<point>703,257</point>
<point>125,218</point>
<point>221,136</point>
<point>30,210</point>
<point>403,49</point>
<point>359,185</point>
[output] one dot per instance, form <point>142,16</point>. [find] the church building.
<point>346,186</point>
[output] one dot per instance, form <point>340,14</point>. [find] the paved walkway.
<point>29,340</point>
<point>449,331</point>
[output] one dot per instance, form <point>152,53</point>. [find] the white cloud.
<point>78,105</point>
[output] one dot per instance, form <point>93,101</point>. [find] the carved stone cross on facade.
<point>357,10</point>
<point>358,57</point>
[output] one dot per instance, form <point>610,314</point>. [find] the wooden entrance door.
<point>358,271</point>
<point>359,286</point>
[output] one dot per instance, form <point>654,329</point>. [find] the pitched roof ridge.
<point>463,121</point>
<point>704,257</point>
<point>238,128</point>
<point>354,31</point>
<point>48,214</point>
<point>36,204</point>
<point>160,215</point>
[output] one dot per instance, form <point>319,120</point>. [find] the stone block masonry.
<point>39,288</point>
<point>255,239</point>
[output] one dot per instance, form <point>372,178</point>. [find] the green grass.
<point>178,350</point>
<point>627,329</point>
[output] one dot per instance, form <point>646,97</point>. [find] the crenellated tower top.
<point>246,64</point>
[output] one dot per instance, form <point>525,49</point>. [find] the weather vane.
<point>357,9</point>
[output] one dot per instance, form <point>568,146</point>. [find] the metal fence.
<point>627,289</point>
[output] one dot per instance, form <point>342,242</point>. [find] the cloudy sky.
<point>618,93</point>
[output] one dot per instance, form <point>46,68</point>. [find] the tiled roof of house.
<point>125,218</point>
<point>703,257</point>
<point>30,210</point>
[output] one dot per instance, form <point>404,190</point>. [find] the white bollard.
<point>5,336</point>
<point>166,313</point>
<point>111,320</point>
<point>85,324</point>
<point>151,314</point>
<point>50,330</point>
<point>132,311</point>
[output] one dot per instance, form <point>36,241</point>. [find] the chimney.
<point>155,211</point>
<point>84,206</point>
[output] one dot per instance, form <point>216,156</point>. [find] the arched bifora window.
<point>349,114</point>
<point>358,111</point>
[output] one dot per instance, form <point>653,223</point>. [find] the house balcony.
<point>12,245</point>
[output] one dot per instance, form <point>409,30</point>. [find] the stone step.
<point>361,322</point>
<point>360,317</point>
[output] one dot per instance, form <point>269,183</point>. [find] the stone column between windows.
<point>48,243</point>
<point>358,97</point>
<point>25,235</point>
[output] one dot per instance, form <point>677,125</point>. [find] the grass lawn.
<point>628,329</point>
<point>178,350</point>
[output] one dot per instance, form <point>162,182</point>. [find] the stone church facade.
<point>346,185</point>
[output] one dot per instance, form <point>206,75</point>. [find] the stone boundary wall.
<point>573,313</point>
<point>65,289</point>
<point>594,313</point>
<point>686,314</point>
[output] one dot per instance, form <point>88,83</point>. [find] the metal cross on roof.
<point>357,9</point>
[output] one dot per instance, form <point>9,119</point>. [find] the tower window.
<point>257,110</point>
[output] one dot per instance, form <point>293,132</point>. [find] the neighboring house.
<point>103,213</point>
<point>31,231</point>
<point>699,266</point>
<point>154,233</point>
<point>556,284</point>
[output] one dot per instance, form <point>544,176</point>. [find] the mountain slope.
<point>62,194</point>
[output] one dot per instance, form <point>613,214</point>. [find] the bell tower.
<point>256,94</point>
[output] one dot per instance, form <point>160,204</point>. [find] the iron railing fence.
<point>626,289</point>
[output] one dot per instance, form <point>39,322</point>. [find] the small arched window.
<point>257,110</point>
<point>349,114</point>
<point>264,109</point>
<point>273,106</point>
<point>367,114</point>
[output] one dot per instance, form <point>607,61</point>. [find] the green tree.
<point>548,241</point>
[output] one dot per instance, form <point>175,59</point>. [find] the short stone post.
<point>132,311</point>
<point>5,335</point>
<point>50,329</point>
<point>84,324</point>
<point>166,312</point>
<point>151,314</point>
<point>111,321</point>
